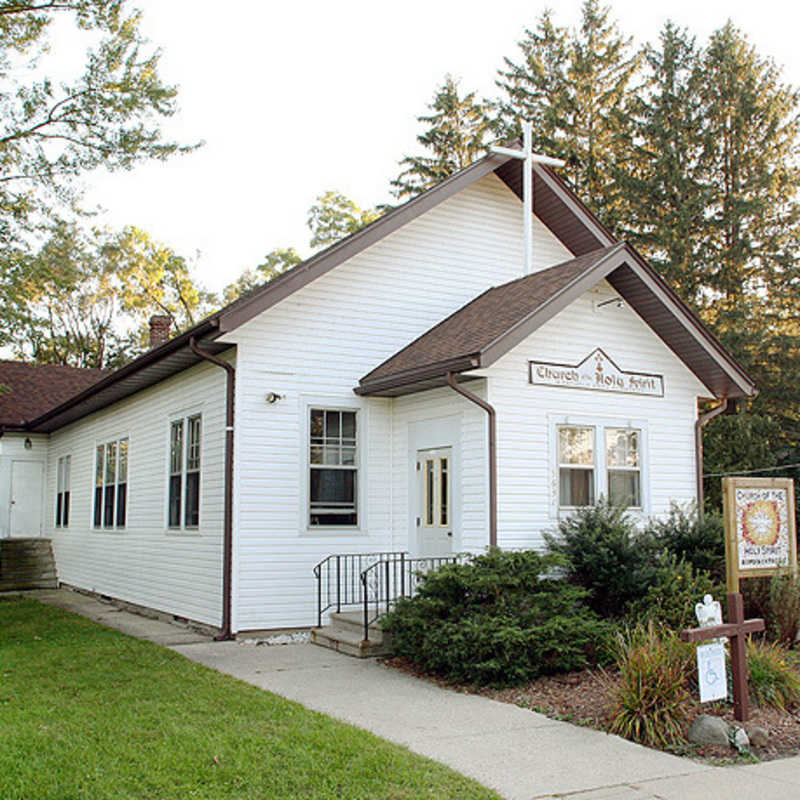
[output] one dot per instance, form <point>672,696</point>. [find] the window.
<point>622,463</point>
<point>598,460</point>
<point>576,472</point>
<point>111,484</point>
<point>333,468</point>
<point>183,504</point>
<point>62,491</point>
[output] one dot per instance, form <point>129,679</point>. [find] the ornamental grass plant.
<point>773,678</point>
<point>650,701</point>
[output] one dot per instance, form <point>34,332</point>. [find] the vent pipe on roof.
<point>159,329</point>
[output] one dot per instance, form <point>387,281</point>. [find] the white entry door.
<point>25,509</point>
<point>435,493</point>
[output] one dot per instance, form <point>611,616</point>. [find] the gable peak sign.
<point>597,372</point>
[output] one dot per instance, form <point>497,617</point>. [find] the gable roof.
<point>488,327</point>
<point>35,388</point>
<point>555,204</point>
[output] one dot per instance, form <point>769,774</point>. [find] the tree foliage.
<point>456,136</point>
<point>53,131</point>
<point>576,86</point>
<point>334,216</point>
<point>84,298</point>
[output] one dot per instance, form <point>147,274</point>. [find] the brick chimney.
<point>159,330</point>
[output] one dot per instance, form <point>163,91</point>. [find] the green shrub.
<point>773,681</point>
<point>606,556</point>
<point>501,618</point>
<point>650,701</point>
<point>671,597</point>
<point>700,543</point>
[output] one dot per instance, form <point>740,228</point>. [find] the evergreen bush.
<point>783,608</point>
<point>671,597</point>
<point>606,556</point>
<point>701,543</point>
<point>502,618</point>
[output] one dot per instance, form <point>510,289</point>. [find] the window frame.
<point>184,417</point>
<point>63,491</point>
<point>621,468</point>
<point>316,403</point>
<point>599,424</point>
<point>115,526</point>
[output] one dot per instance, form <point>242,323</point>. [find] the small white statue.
<point>709,612</point>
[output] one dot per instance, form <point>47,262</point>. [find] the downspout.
<point>227,536</point>
<point>489,409</point>
<point>701,422</point>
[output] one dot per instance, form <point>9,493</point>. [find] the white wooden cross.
<point>528,157</point>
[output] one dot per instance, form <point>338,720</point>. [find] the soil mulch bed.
<point>580,698</point>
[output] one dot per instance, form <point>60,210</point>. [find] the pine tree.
<point>664,197</point>
<point>576,87</point>
<point>457,136</point>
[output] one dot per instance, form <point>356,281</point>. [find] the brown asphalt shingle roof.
<point>36,388</point>
<point>472,328</point>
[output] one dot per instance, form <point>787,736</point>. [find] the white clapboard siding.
<point>526,413</point>
<point>313,347</point>
<point>178,573</point>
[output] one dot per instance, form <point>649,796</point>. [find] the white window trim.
<point>104,440</point>
<point>331,404</point>
<point>184,414</point>
<point>65,457</point>
<point>599,423</point>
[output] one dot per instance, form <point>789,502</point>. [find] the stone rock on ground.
<point>741,741</point>
<point>758,735</point>
<point>709,730</point>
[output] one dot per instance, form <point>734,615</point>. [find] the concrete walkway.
<point>520,754</point>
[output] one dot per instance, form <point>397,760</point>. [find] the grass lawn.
<point>86,712</point>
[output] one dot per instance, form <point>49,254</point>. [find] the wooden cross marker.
<point>735,629</point>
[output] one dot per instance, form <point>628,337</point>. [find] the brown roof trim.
<point>111,389</point>
<point>627,271</point>
<point>244,309</point>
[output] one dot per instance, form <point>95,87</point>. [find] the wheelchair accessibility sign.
<point>712,672</point>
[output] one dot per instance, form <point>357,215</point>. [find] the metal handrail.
<point>338,579</point>
<point>387,580</point>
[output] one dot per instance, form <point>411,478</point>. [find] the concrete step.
<point>27,564</point>
<point>353,622</point>
<point>347,642</point>
<point>14,586</point>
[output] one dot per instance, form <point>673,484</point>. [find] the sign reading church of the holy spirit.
<point>597,371</point>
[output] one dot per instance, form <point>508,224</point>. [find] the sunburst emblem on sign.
<point>761,523</point>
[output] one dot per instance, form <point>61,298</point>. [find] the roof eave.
<point>207,329</point>
<point>389,385</point>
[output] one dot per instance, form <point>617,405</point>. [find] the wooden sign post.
<point>735,629</point>
<point>760,540</point>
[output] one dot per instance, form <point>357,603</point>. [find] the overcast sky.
<point>293,99</point>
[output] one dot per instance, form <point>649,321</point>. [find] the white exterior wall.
<point>146,563</point>
<point>527,414</point>
<point>12,448</point>
<point>313,347</point>
<point>442,418</point>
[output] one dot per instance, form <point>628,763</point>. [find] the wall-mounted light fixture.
<point>28,444</point>
<point>271,397</point>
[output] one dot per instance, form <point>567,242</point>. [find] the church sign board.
<point>760,532</point>
<point>598,372</point>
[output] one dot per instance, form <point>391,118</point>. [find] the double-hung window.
<point>111,484</point>
<point>599,461</point>
<point>62,491</point>
<point>183,504</point>
<point>576,467</point>
<point>623,465</point>
<point>333,467</point>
